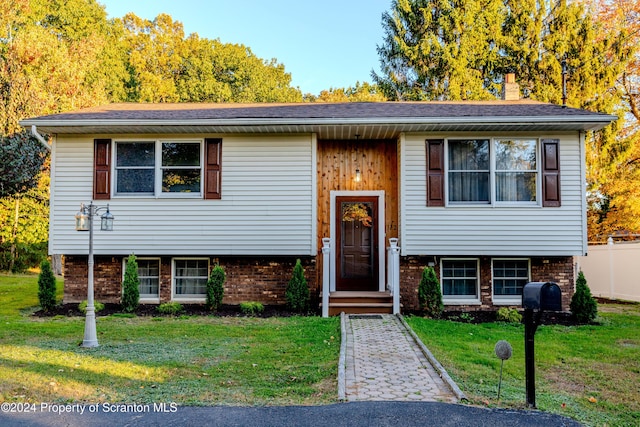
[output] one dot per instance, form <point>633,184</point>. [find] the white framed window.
<point>508,277</point>
<point>135,167</point>
<point>149,278</point>
<point>460,280</point>
<point>158,168</point>
<point>493,171</point>
<point>189,279</point>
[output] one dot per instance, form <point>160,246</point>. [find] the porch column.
<point>326,260</point>
<point>393,273</point>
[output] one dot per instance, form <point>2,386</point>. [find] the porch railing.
<point>326,278</point>
<point>393,273</point>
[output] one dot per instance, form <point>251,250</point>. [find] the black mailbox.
<point>536,298</point>
<point>544,296</point>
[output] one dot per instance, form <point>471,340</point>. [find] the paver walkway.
<point>384,362</point>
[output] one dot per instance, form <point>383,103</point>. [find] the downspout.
<point>34,132</point>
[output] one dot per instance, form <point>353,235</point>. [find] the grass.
<point>189,360</point>
<point>590,373</point>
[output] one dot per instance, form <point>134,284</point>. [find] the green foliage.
<point>583,306</point>
<point>46,287</point>
<point>54,56</point>
<point>21,161</point>
<point>297,292</point>
<point>19,257</point>
<point>215,288</point>
<point>437,50</point>
<point>429,294</point>
<point>131,286</point>
<point>510,315</point>
<point>364,92</point>
<point>172,308</point>
<point>251,308</point>
<point>166,66</point>
<point>97,306</point>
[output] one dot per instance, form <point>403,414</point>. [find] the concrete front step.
<point>360,302</point>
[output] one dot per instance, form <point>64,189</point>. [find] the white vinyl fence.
<point>613,270</point>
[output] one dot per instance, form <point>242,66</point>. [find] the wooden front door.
<point>356,243</point>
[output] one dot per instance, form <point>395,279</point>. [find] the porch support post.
<point>394,273</point>
<point>326,280</point>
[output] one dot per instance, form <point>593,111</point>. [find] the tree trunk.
<point>14,236</point>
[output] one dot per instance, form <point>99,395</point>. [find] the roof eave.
<point>587,122</point>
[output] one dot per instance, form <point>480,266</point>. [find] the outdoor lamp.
<point>82,219</point>
<point>358,177</point>
<point>106,221</point>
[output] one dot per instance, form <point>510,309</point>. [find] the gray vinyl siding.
<point>487,230</point>
<point>267,206</point>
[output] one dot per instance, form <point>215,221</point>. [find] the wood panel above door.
<point>377,161</point>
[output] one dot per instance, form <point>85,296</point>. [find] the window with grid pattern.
<point>509,277</point>
<point>460,279</point>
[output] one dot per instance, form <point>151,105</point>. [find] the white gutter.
<point>34,132</point>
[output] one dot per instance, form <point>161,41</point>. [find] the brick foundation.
<point>262,279</point>
<point>549,269</point>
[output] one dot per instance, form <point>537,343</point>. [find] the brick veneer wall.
<point>107,279</point>
<point>262,279</point>
<point>556,269</point>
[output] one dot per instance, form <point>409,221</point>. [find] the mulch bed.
<point>486,316</point>
<point>151,310</point>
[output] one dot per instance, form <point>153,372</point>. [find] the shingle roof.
<point>318,117</point>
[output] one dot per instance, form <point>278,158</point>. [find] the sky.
<point>323,44</point>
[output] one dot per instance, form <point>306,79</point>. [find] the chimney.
<point>510,89</point>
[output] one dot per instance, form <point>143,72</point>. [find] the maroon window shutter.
<point>435,172</point>
<point>551,173</point>
<point>212,168</point>
<point>102,169</point>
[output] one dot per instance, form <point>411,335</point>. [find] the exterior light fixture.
<point>106,221</point>
<point>84,222</point>
<point>358,177</point>
<point>82,219</point>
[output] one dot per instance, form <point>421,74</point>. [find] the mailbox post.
<point>536,298</point>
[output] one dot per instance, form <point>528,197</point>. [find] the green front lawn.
<point>189,360</point>
<point>589,373</point>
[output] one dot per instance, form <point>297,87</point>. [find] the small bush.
<point>429,294</point>
<point>171,308</point>
<point>251,308</point>
<point>97,306</point>
<point>510,315</point>
<point>297,292</point>
<point>215,288</point>
<point>583,307</point>
<point>46,287</point>
<point>131,286</point>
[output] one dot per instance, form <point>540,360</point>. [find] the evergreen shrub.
<point>429,294</point>
<point>131,286</point>
<point>215,288</point>
<point>46,287</point>
<point>583,307</point>
<point>251,308</point>
<point>297,292</point>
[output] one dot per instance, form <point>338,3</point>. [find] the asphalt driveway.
<point>354,414</point>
